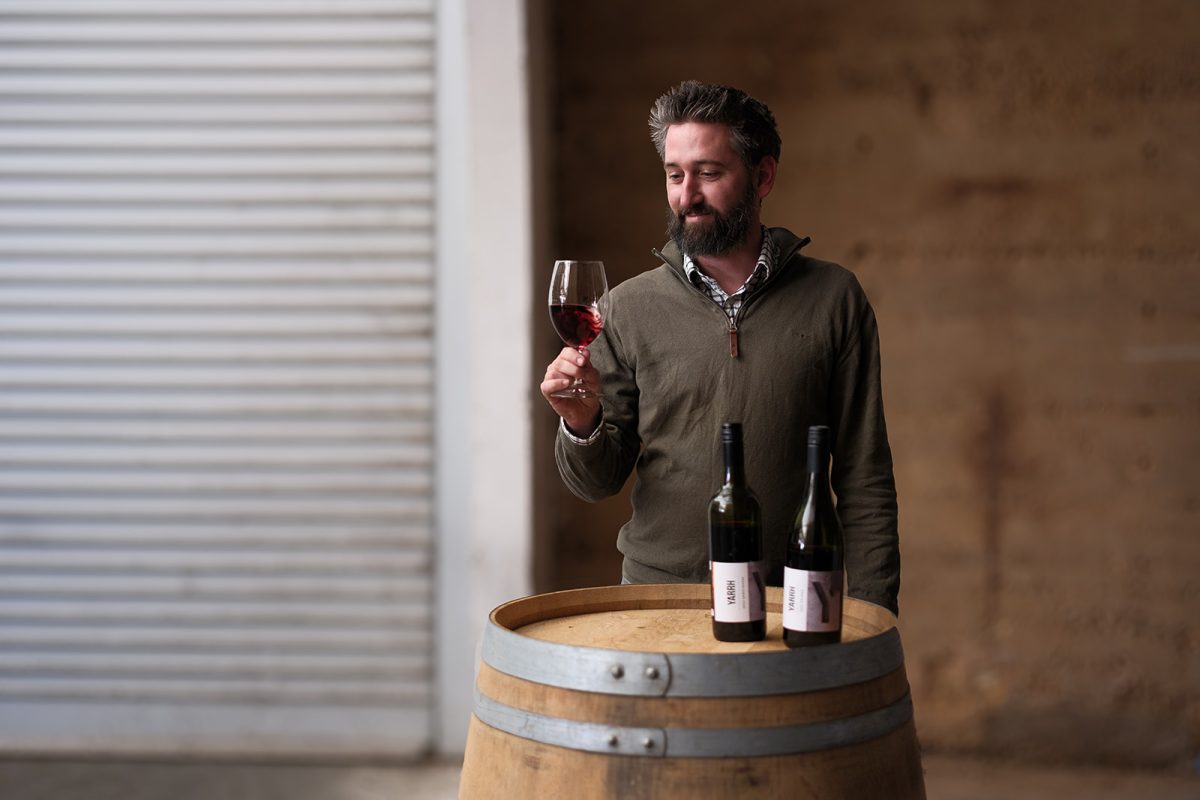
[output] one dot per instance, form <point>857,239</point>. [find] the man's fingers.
<point>572,356</point>
<point>570,363</point>
<point>554,384</point>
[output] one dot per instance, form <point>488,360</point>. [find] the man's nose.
<point>690,191</point>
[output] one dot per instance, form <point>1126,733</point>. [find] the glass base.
<point>575,392</point>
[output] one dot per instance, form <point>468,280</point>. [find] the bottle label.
<point>812,600</point>
<point>737,592</point>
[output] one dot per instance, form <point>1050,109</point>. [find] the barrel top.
<point>656,639</point>
<point>665,618</point>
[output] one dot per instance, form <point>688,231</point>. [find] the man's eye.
<point>708,175</point>
<point>674,177</point>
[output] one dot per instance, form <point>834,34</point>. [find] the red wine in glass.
<point>577,325</point>
<point>578,306</point>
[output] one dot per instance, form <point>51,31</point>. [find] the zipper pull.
<point>733,343</point>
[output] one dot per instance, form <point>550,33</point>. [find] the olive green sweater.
<point>808,354</point>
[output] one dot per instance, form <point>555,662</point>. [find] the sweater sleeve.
<point>862,474</point>
<point>596,470</point>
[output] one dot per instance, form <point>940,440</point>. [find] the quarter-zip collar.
<point>768,256</point>
<point>786,246</point>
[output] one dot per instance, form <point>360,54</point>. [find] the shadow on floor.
<point>946,778</point>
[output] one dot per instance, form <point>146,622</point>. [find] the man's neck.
<point>732,269</point>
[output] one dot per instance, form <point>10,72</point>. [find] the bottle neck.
<point>734,473</point>
<point>818,460</point>
<point>817,484</point>
<point>817,498</point>
<point>818,472</point>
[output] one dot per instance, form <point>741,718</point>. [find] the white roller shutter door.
<point>216,382</point>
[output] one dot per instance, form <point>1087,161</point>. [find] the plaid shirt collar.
<point>767,257</point>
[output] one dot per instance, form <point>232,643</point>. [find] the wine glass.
<point>578,308</point>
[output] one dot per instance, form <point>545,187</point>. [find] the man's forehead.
<point>696,142</point>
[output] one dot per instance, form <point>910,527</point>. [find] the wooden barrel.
<point>621,691</point>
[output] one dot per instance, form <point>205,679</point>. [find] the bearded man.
<point>734,325</point>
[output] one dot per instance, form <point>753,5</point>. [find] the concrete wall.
<point>1016,187</point>
<point>484,463</point>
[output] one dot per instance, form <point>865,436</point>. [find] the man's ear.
<point>764,176</point>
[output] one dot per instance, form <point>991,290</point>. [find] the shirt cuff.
<point>590,439</point>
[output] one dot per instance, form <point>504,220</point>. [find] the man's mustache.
<point>702,208</point>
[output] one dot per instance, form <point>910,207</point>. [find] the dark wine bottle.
<point>736,550</point>
<point>813,573</point>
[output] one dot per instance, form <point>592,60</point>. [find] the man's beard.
<point>715,238</point>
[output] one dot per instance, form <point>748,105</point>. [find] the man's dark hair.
<point>751,122</point>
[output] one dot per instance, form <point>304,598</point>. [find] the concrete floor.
<point>946,777</point>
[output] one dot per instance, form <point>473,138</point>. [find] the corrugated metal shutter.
<point>216,334</point>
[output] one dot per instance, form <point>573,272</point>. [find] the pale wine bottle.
<point>813,571</point>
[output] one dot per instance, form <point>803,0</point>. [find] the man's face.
<point>713,203</point>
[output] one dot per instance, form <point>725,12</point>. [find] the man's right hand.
<point>581,415</point>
